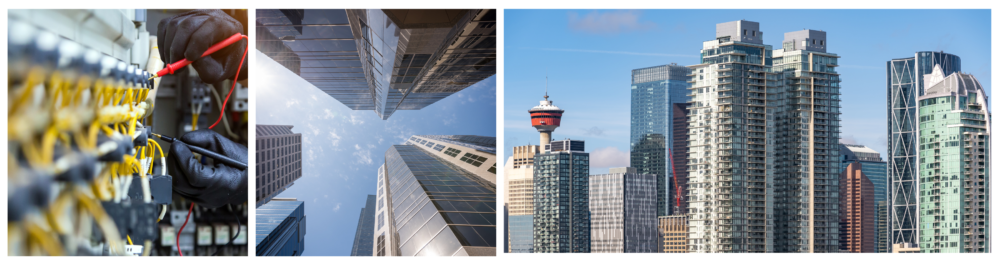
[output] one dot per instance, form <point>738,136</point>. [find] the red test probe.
<point>184,62</point>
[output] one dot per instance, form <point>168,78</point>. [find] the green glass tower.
<point>954,124</point>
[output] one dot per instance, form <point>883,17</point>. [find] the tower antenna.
<point>546,87</point>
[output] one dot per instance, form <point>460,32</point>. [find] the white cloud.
<point>314,97</point>
<point>364,156</point>
<point>355,120</point>
<point>357,147</point>
<point>291,102</point>
<point>312,128</point>
<point>609,157</point>
<point>329,114</point>
<point>609,22</point>
<point>336,208</point>
<point>334,138</point>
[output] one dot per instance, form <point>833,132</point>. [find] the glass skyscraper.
<point>561,219</point>
<point>904,81</point>
<point>654,91</point>
<point>874,168</point>
<point>622,215</point>
<point>953,152</point>
<point>366,225</point>
<point>382,59</point>
<point>281,228</point>
<point>437,198</point>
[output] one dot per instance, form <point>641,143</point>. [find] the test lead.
<point>215,156</point>
<point>184,62</point>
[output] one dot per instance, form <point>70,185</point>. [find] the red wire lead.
<point>214,48</point>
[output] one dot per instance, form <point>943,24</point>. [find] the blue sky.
<point>588,57</point>
<point>342,148</point>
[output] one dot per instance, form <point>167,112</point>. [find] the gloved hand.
<point>188,35</point>
<point>209,186</point>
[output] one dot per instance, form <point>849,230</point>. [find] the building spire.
<point>546,87</point>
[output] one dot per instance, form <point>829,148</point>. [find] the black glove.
<point>188,35</point>
<point>209,186</point>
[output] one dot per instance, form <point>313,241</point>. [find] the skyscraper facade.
<point>654,91</point>
<point>807,158</point>
<point>281,228</point>
<point>623,212</point>
<point>385,239</point>
<point>875,169</point>
<point>731,143</point>
<point>279,160</point>
<point>953,152</point>
<point>904,80</point>
<point>366,225</point>
<point>440,199</point>
<point>519,175</point>
<point>382,59</point>
<point>679,159</point>
<point>674,234</point>
<point>763,128</point>
<point>561,219</point>
<point>857,211</point>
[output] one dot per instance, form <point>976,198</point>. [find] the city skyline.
<point>606,57</point>
<point>801,187</point>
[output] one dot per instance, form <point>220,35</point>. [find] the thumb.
<point>192,171</point>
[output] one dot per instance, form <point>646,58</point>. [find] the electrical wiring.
<point>77,134</point>
<point>223,113</point>
<point>162,213</point>
<point>222,109</point>
<point>178,238</point>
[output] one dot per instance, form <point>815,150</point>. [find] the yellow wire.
<point>34,77</point>
<point>132,124</point>
<point>129,239</point>
<point>103,220</point>
<point>48,145</point>
<point>158,147</point>
<point>108,130</point>
<point>194,121</point>
<point>47,240</point>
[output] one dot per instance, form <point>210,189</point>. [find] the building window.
<point>452,152</point>
<point>493,169</point>
<point>473,159</point>
<point>381,220</point>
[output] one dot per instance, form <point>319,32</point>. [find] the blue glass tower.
<point>905,82</point>
<point>874,168</point>
<point>654,91</point>
<point>281,228</point>
<point>366,227</point>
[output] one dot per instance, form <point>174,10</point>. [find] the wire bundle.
<point>76,139</point>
